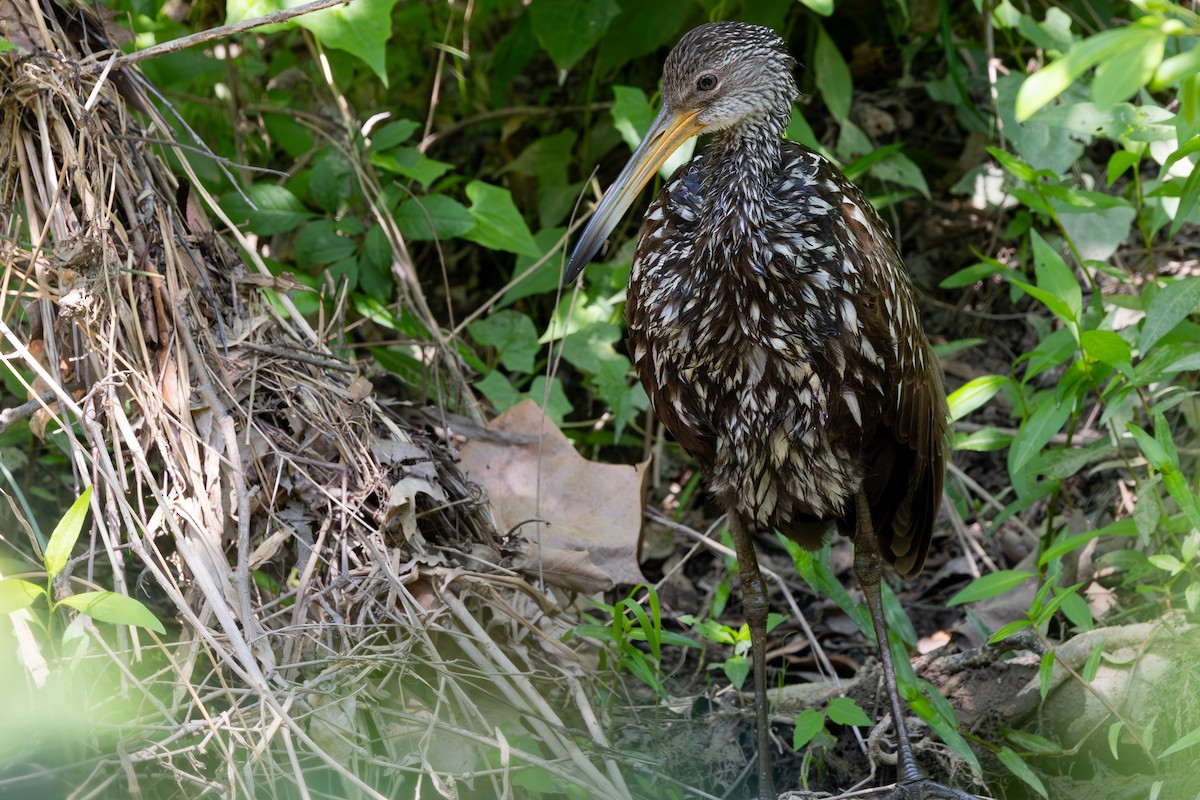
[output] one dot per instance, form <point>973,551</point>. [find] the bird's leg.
<point>911,784</point>
<point>754,602</point>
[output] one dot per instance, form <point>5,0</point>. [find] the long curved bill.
<point>668,131</point>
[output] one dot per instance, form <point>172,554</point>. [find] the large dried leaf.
<point>560,501</point>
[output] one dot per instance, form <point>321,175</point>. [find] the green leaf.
<point>736,668</point>
<point>411,163</point>
<point>1179,488</point>
<point>991,585</point>
<point>1114,738</point>
<point>822,7</point>
<point>1039,428</point>
<point>809,723</point>
<point>1032,742</point>
<point>844,711</point>
<point>1092,665</point>
<point>1055,78</point>
<point>434,216</point>
<point>16,594</point>
<point>332,180</point>
<point>498,223</point>
<point>512,334</point>
<point>832,76</point>
<point>1151,449</point>
<point>1120,77</point>
<point>499,390</point>
<point>900,169</point>
<point>1183,743</point>
<point>1054,276</point>
<point>113,607</point>
<point>319,242</point>
<point>1191,596</point>
<point>974,394</point>
<point>641,29</point>
<point>567,29</point>
<point>555,403</point>
<point>66,533</point>
<point>1017,766</point>
<point>392,134</point>
<point>1106,347</point>
<point>987,440</point>
<point>1045,673</point>
<point>361,28</point>
<point>968,276</point>
<point>1120,162</point>
<point>275,209</point>
<point>1169,306</point>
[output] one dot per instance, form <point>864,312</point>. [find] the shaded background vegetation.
<point>1049,223</point>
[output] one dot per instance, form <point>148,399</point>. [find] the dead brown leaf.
<point>579,505</point>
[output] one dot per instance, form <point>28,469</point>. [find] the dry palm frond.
<point>230,445</point>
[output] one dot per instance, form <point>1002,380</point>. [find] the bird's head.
<point>720,76</point>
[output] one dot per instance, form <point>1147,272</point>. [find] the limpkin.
<point>774,327</point>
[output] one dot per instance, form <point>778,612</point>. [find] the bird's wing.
<point>910,445</point>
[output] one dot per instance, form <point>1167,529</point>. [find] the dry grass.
<point>227,440</point>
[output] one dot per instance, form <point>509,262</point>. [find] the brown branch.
<point>184,42</point>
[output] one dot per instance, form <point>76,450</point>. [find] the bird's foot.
<point>925,789</point>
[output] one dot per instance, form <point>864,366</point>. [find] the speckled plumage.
<point>774,326</point>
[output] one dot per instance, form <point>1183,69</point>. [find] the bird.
<point>775,329</point>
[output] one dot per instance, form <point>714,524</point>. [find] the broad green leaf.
<point>1055,78</point>
<point>567,29</point>
<point>66,533</point>
<point>411,163</point>
<point>361,28</point>
<point>1191,597</point>
<point>499,390</point>
<point>274,210</point>
<point>1176,68</point>
<point>1120,162</point>
<point>332,181</point>
<point>973,394</point>
<point>512,334</point>
<point>1106,347</point>
<point>736,668</point>
<point>113,607</point>
<point>319,242</point>
<point>1179,488</point>
<point>1041,426</point>
<point>844,711</point>
<point>1054,276</point>
<point>990,585</point>
<point>900,169</point>
<point>1120,77</point>
<point>1017,766</point>
<point>433,216</point>
<point>392,135</point>
<point>16,594</point>
<point>498,223</point>
<point>640,30</point>
<point>1151,449</point>
<point>554,402</point>
<point>809,723</point>
<point>1169,307</point>
<point>822,7</point>
<point>832,76</point>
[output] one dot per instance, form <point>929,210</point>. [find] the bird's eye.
<point>706,82</point>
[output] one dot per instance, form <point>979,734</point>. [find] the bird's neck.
<point>743,163</point>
